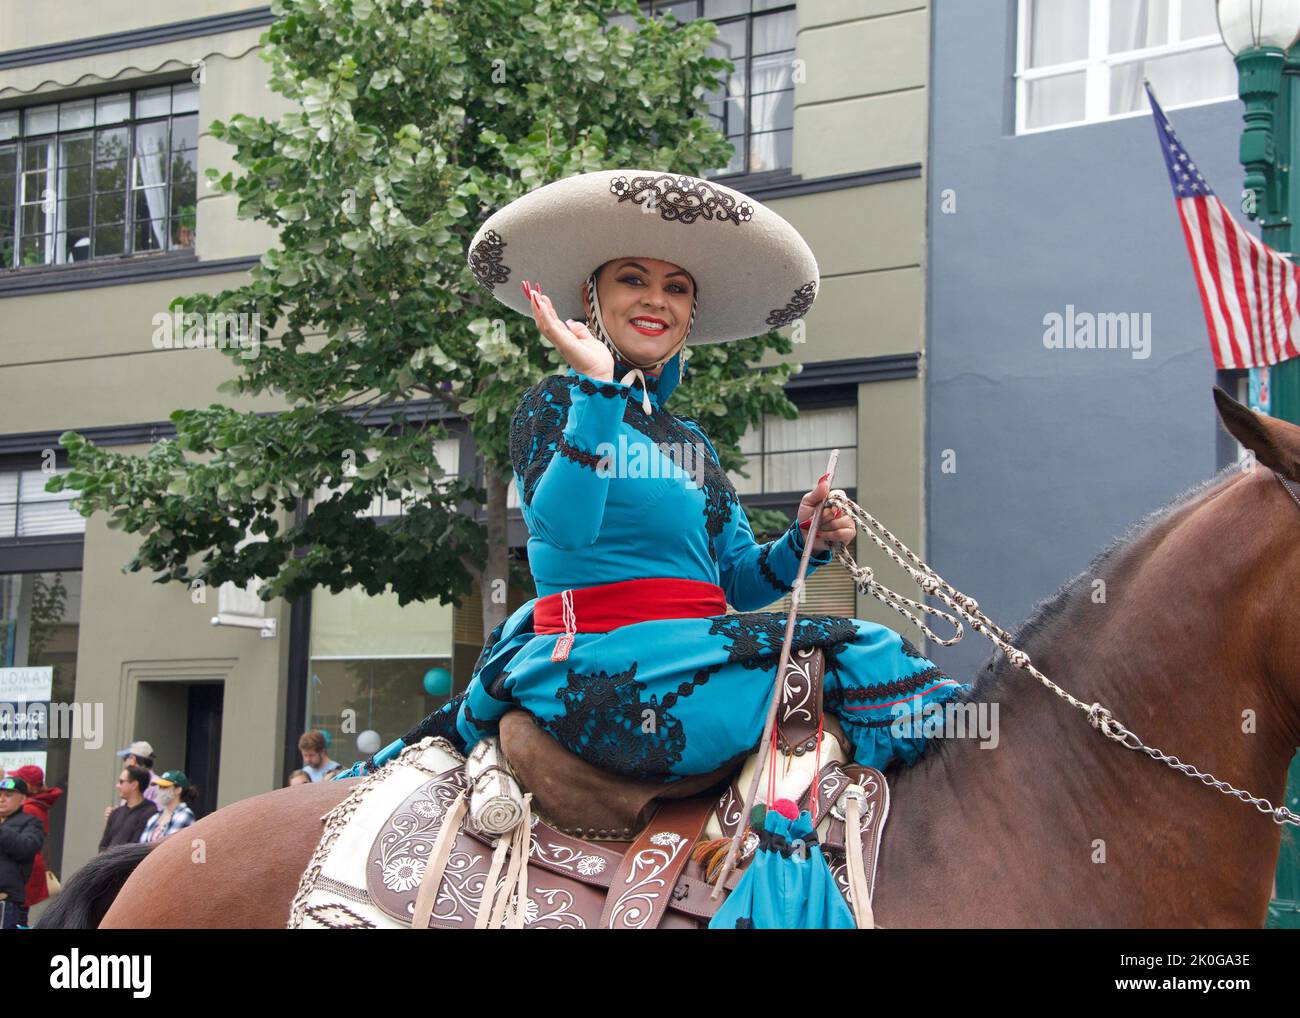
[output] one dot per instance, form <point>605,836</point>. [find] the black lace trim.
<point>883,690</point>
<point>909,648</point>
<point>756,637</point>
<point>585,459</point>
<point>948,695</point>
<point>798,307</point>
<point>498,691</point>
<point>441,723</point>
<point>681,199</point>
<point>493,639</point>
<point>604,722</point>
<point>481,725</point>
<point>766,570</point>
<point>537,434</point>
<point>600,389</point>
<point>535,430</point>
<point>485,260</point>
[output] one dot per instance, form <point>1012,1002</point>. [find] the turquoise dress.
<point>665,698</point>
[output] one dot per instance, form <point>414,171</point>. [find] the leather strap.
<point>437,863</point>
<point>729,810</point>
<point>799,714</point>
<point>831,784</point>
<point>642,888</point>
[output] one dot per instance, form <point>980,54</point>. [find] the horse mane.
<point>87,896</point>
<point>995,676</point>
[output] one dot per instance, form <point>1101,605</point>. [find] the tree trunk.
<point>494,587</point>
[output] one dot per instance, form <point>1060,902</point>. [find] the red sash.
<point>610,605</point>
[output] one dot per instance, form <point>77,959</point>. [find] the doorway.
<point>183,722</point>
<point>203,744</point>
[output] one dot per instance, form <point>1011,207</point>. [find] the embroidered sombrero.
<point>753,271</point>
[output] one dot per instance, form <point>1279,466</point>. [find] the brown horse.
<point>1195,646</point>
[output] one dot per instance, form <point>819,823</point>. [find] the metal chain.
<point>968,608</point>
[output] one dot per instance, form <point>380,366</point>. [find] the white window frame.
<point>757,461</point>
<point>1098,65</point>
<point>76,523</point>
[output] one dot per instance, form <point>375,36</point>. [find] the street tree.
<point>411,121</point>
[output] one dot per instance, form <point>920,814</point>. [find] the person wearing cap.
<point>21,838</point>
<point>126,822</point>
<point>140,754</point>
<point>173,813</point>
<point>637,538</point>
<point>40,800</point>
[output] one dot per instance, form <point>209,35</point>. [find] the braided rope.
<point>968,608</point>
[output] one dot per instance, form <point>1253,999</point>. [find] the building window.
<point>40,618</point>
<point>446,451</point>
<point>789,456</point>
<point>754,106</point>
<point>376,668</point>
<point>100,177</point>
<point>1083,61</point>
<point>28,510</point>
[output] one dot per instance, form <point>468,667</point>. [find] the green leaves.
<point>410,123</point>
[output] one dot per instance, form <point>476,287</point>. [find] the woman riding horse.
<point>638,540</point>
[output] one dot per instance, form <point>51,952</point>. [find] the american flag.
<point>1249,292</point>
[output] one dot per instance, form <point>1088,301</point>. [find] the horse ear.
<point>1275,442</point>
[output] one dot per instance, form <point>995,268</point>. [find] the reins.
<point>968,609</point>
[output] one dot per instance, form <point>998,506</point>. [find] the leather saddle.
<point>609,852</point>
<point>585,801</point>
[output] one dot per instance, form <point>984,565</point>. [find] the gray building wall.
<point>1055,451</point>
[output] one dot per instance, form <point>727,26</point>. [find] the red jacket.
<point>39,806</point>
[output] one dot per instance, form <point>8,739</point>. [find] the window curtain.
<point>1134,24</point>
<point>1058,34</point>
<point>151,161</point>
<point>820,430</point>
<point>49,193</point>
<point>767,74</point>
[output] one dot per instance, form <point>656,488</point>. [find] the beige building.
<point>104,219</point>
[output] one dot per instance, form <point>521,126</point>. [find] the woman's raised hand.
<point>585,353</point>
<point>833,527</point>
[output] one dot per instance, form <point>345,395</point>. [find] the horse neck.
<point>1058,824</point>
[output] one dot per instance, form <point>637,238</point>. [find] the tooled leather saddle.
<point>608,852</point>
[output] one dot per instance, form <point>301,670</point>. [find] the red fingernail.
<point>804,524</point>
<point>524,283</point>
<point>823,477</point>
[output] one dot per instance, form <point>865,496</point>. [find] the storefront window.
<point>39,618</point>
<point>375,670</point>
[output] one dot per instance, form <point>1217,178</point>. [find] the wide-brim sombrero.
<point>753,270</point>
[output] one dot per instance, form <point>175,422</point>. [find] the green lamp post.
<point>1262,35</point>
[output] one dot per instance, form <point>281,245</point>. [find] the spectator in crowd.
<point>299,778</point>
<point>126,823</point>
<point>40,800</point>
<point>315,761</point>
<point>140,754</point>
<point>21,839</point>
<point>173,813</point>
